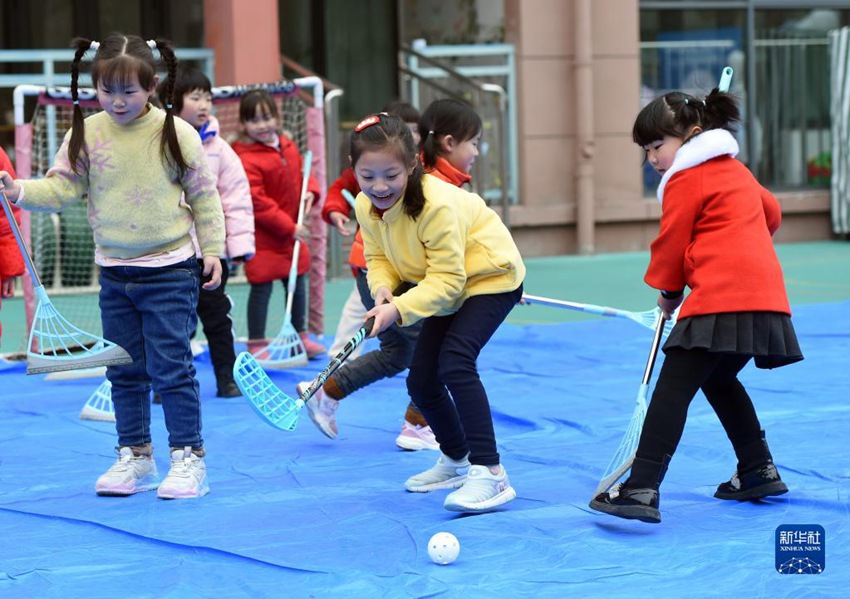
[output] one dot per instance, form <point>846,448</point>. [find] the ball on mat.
<point>443,548</point>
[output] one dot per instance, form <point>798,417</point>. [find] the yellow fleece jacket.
<point>455,249</point>
<point>135,204</point>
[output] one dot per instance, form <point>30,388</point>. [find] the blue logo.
<point>800,549</point>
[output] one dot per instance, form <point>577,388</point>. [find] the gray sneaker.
<point>446,474</point>
<point>482,491</point>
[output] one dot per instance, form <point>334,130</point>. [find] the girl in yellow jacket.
<point>467,274</point>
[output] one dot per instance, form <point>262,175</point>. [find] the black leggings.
<point>258,306</point>
<point>683,373</point>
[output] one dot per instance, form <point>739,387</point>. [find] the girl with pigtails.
<point>715,238</point>
<point>134,163</point>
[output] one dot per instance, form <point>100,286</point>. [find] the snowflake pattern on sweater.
<point>138,204</point>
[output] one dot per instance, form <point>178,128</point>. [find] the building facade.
<point>583,69</point>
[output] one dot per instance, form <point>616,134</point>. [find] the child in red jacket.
<point>11,259</point>
<point>275,170</point>
<point>717,224</point>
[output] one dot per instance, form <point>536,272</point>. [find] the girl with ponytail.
<point>147,184</point>
<point>717,224</point>
<point>436,254</point>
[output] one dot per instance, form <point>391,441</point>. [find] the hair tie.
<point>168,106</point>
<point>94,45</point>
<point>367,122</point>
<point>152,44</point>
<point>703,103</point>
<point>76,102</point>
<point>686,100</point>
<point>430,132</point>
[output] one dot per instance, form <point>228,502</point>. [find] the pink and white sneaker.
<point>414,437</point>
<point>321,409</point>
<point>187,477</point>
<point>128,475</point>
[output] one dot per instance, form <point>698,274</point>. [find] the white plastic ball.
<point>443,548</point>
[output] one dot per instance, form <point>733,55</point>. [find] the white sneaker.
<point>481,492</point>
<point>414,437</point>
<point>129,474</point>
<point>321,409</point>
<point>446,474</point>
<point>187,477</point>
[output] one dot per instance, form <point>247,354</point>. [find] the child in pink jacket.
<point>193,103</point>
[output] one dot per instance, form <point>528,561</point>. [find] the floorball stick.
<point>650,319</point>
<point>622,460</point>
<point>287,350</point>
<point>55,344</point>
<point>273,405</point>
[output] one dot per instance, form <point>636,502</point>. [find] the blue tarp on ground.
<point>298,515</point>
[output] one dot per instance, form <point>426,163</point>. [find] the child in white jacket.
<point>193,103</point>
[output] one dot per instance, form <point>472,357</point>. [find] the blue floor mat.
<point>298,515</point>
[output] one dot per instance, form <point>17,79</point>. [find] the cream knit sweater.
<point>135,204</point>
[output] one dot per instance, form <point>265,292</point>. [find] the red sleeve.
<point>679,214</point>
<point>6,164</point>
<point>11,260</point>
<point>772,211</point>
<point>336,202</point>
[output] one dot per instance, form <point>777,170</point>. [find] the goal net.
<point>62,245</point>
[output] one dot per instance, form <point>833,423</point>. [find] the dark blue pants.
<point>392,357</point>
<point>444,381</point>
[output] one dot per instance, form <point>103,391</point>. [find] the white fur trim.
<point>702,148</point>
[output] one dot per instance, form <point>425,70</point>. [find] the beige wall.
<point>553,171</point>
<point>545,34</point>
<point>246,42</point>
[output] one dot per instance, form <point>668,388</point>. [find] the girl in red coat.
<point>715,238</point>
<point>274,168</point>
<point>11,259</point>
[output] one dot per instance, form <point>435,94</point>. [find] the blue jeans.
<point>392,357</point>
<point>444,382</point>
<point>151,312</point>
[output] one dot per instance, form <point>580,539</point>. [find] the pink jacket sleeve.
<point>235,192</point>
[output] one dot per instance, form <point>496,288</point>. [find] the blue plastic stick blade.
<point>268,401</point>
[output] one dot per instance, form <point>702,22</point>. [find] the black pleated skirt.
<point>768,337</point>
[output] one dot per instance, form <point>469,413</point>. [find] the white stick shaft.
<point>16,231</point>
<point>293,269</point>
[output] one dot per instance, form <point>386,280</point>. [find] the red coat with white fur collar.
<point>716,238</point>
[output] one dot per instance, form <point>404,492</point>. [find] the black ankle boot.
<point>756,476</point>
<point>637,498</point>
